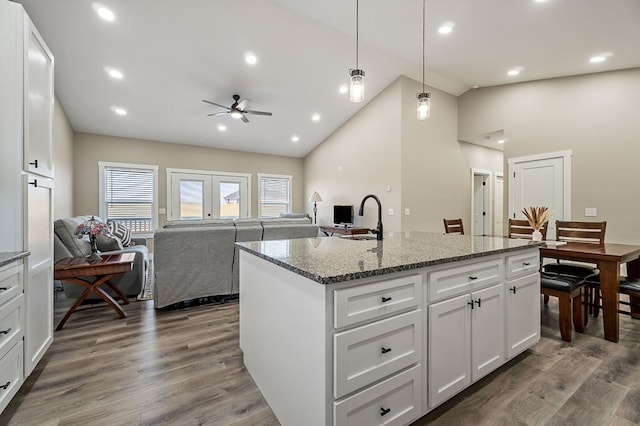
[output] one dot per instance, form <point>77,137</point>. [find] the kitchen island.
<point>346,331</point>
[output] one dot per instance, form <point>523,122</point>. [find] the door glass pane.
<point>191,199</point>
<point>229,200</point>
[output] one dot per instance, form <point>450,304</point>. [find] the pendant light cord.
<point>357,31</point>
<point>423,41</point>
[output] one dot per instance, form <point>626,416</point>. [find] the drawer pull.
<point>513,289</point>
<point>385,350</point>
<point>34,183</point>
<point>385,299</point>
<point>7,331</point>
<point>471,303</point>
<point>384,411</point>
<point>5,386</point>
<point>525,264</point>
<point>35,163</point>
<point>4,288</point>
<point>473,277</point>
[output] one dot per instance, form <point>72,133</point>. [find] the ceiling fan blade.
<point>258,112</point>
<point>244,118</point>
<point>216,113</point>
<point>218,105</point>
<point>243,104</point>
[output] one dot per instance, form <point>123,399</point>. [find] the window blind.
<point>275,197</point>
<point>129,197</point>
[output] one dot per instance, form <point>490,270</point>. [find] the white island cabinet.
<point>340,332</point>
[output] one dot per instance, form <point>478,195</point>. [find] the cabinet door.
<point>487,331</point>
<point>449,363</point>
<point>522,313</point>
<point>38,284</point>
<point>38,103</point>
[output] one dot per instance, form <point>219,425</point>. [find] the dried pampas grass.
<point>537,216</point>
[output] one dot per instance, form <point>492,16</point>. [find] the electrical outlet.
<point>162,211</point>
<point>591,212</point>
<point>339,168</point>
<point>390,212</point>
<point>407,211</point>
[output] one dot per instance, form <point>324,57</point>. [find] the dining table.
<point>608,257</point>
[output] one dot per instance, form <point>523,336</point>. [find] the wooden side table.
<point>73,269</point>
<point>330,230</point>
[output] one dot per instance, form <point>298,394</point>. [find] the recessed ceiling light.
<point>250,58</point>
<point>475,86</point>
<point>222,127</point>
<point>119,111</point>
<point>114,73</point>
<point>103,12</point>
<point>501,141</point>
<point>600,57</point>
<point>446,28</point>
<point>513,72</point>
<point>343,89</point>
<point>315,117</point>
<point>295,138</point>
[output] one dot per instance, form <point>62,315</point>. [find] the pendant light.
<point>424,98</point>
<point>356,83</point>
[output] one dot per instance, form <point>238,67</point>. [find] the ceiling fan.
<point>237,109</point>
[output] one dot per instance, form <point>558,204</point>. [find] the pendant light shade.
<point>424,98</point>
<point>356,79</point>
<point>424,106</point>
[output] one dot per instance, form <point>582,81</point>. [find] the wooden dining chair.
<point>453,226</point>
<point>520,228</point>
<point>569,291</point>
<point>628,286</point>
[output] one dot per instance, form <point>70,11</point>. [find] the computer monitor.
<point>343,215</point>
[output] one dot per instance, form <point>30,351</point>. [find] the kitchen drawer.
<point>395,401</point>
<point>456,280</point>
<point>11,324</point>
<point>374,351</point>
<point>373,301</point>
<point>11,283</point>
<point>11,377</point>
<point>519,265</point>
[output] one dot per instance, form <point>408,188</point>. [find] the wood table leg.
<point>118,292</point>
<point>609,287</point>
<point>72,309</point>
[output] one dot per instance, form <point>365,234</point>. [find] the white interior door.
<point>481,208</point>
<point>541,181</point>
<point>498,205</point>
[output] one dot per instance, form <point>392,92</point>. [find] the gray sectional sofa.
<point>67,244</point>
<point>200,259</point>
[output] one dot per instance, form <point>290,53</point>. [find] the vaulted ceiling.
<point>173,54</point>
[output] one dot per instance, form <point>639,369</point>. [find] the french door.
<point>207,195</point>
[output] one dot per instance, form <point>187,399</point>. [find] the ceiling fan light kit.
<point>238,109</point>
<point>424,98</point>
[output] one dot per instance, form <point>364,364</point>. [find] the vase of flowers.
<point>92,228</point>
<point>537,217</point>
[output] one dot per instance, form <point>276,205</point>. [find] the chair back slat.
<point>453,226</point>
<point>582,232</point>
<point>520,228</point>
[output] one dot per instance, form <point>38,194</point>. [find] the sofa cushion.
<point>106,242</point>
<point>284,221</point>
<point>196,223</point>
<point>121,231</point>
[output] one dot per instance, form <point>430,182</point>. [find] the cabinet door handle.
<point>34,183</point>
<point>5,386</point>
<point>385,299</point>
<point>34,164</point>
<point>473,277</point>
<point>471,303</point>
<point>7,331</point>
<point>479,301</point>
<point>525,264</point>
<point>513,289</point>
<point>384,411</point>
<point>385,350</point>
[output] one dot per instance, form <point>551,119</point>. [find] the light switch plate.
<point>162,211</point>
<point>407,211</point>
<point>591,212</point>
<point>390,212</point>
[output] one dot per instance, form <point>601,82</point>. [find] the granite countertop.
<point>330,260</point>
<point>7,257</point>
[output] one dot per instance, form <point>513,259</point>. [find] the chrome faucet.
<point>378,230</point>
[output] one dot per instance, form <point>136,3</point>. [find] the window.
<point>129,195</point>
<point>274,195</point>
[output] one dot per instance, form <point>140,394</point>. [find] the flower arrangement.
<point>537,216</point>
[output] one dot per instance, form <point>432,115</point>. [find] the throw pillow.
<point>108,242</point>
<point>121,231</point>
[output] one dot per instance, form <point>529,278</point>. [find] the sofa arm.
<point>139,241</point>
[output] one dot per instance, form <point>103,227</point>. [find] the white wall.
<point>595,116</point>
<point>62,163</point>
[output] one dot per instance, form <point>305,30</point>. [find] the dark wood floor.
<point>185,368</point>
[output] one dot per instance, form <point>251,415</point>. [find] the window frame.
<point>289,178</point>
<point>102,208</point>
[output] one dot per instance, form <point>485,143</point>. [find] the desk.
<point>330,230</point>
<point>73,269</point>
<point>608,258</point>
